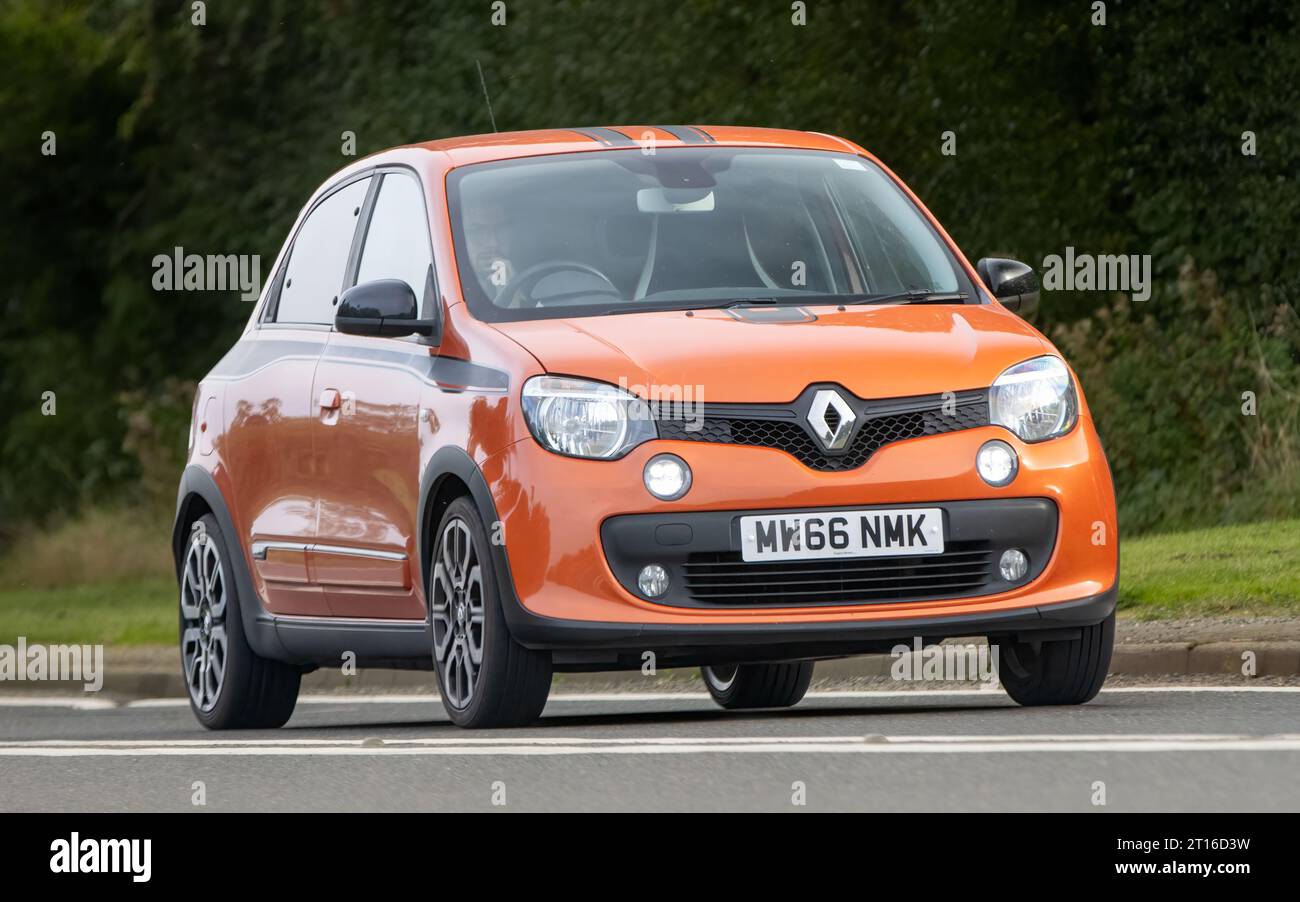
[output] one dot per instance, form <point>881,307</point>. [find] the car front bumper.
<point>565,590</point>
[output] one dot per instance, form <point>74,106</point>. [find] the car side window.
<point>314,275</point>
<point>397,239</point>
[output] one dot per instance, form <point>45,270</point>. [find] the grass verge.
<point>129,613</point>
<point>1235,571</point>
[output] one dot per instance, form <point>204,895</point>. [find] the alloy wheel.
<point>457,611</point>
<point>721,676</point>
<point>204,646</point>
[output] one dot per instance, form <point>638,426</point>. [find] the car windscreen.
<point>618,231</point>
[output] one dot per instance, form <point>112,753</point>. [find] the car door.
<point>367,439</point>
<point>272,408</point>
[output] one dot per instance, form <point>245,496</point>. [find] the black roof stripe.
<point>616,137</point>
<point>607,136</point>
<point>685,134</point>
<point>589,133</point>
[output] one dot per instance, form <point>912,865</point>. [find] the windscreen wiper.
<point>758,302</point>
<point>911,296</point>
<point>702,305</point>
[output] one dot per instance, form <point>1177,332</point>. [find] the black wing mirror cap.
<point>384,307</point>
<point>1013,283</point>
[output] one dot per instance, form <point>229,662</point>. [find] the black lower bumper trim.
<point>778,641</point>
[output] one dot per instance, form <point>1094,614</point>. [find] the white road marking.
<point>550,745</point>
<point>76,703</point>
<point>1118,689</point>
<point>102,704</point>
<point>471,740</point>
<point>896,693</point>
<point>674,745</point>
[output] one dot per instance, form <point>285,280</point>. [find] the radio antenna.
<point>486,98</point>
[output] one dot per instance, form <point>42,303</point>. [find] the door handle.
<point>330,399</point>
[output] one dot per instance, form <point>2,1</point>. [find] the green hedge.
<point>1122,138</point>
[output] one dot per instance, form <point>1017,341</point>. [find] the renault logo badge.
<point>831,419</point>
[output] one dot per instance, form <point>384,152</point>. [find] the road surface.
<point>1180,748</point>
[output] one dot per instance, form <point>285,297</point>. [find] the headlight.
<point>581,418</point>
<point>1034,399</point>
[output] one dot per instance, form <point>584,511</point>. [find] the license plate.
<point>833,534</point>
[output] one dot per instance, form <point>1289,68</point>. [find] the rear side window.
<point>397,240</point>
<point>314,275</point>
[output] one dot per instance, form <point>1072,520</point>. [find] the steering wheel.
<point>514,292</point>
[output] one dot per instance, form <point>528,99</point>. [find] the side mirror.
<point>1011,282</point>
<point>385,307</point>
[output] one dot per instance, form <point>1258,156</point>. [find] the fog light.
<point>1013,565</point>
<point>653,580</point>
<point>996,462</point>
<point>667,477</point>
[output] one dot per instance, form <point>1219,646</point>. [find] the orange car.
<point>583,399</point>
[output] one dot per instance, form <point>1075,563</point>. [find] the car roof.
<point>506,145</point>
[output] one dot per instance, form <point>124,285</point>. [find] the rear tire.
<point>1060,672</point>
<point>486,678</point>
<point>230,686</point>
<point>738,686</point>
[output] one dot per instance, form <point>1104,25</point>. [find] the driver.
<point>487,238</point>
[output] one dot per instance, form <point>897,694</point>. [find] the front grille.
<point>878,424</point>
<point>723,578</point>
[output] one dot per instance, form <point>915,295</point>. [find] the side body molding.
<point>309,642</point>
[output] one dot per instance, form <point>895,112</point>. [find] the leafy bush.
<point>1168,381</point>
<point>1122,138</point>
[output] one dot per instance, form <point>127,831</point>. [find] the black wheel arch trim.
<point>527,628</point>
<point>452,461</point>
<point>259,623</point>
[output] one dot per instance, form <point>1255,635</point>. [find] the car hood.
<point>874,352</point>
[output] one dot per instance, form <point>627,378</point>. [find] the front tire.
<point>230,686</point>
<point>1060,672</point>
<point>486,678</point>
<point>738,686</point>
